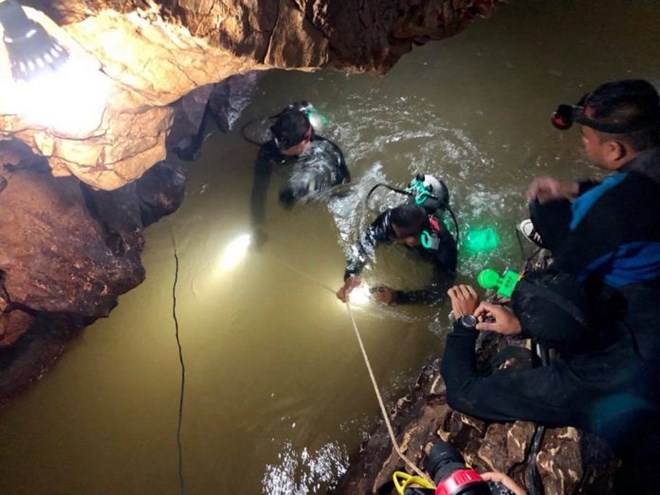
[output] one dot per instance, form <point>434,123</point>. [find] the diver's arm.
<point>262,173</point>
<point>544,395</point>
<point>362,251</point>
<point>343,174</point>
<point>444,274</point>
<point>435,292</point>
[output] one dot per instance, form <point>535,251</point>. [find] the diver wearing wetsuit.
<point>405,224</point>
<point>316,164</point>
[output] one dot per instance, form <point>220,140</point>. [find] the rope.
<point>368,364</point>
<point>182,484</point>
<point>403,457</point>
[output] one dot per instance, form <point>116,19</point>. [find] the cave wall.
<point>152,55</point>
<point>67,253</point>
<point>73,204</point>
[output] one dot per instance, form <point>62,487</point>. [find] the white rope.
<point>386,418</point>
<point>383,411</point>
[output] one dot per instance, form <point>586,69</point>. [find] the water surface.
<point>277,396</point>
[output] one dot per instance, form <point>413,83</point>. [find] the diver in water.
<point>412,226</point>
<point>316,164</point>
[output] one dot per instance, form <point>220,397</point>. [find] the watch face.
<point>468,321</point>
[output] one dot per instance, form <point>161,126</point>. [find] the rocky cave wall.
<point>74,203</point>
<point>152,55</point>
<point>566,461</point>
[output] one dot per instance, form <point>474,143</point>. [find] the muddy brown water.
<point>277,396</point>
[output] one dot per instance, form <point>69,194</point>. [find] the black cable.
<point>453,217</point>
<point>527,260</point>
<point>182,484</point>
<point>391,188</point>
<point>522,249</point>
<point>534,483</point>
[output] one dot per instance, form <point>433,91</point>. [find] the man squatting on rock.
<point>599,303</point>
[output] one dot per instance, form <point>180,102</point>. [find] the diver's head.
<point>292,132</point>
<point>408,223</point>
<point>619,120</point>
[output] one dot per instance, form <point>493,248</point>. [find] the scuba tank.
<point>432,194</point>
<point>429,192</point>
<point>316,118</point>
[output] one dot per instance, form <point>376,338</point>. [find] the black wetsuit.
<point>444,260</point>
<point>609,237</point>
<point>612,391</point>
<point>317,169</point>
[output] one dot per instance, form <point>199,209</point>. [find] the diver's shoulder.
<point>324,142</point>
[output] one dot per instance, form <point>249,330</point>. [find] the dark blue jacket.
<point>615,227</point>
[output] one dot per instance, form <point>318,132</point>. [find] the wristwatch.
<point>468,321</point>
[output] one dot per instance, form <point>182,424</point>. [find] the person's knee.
<point>454,401</point>
<point>456,397</point>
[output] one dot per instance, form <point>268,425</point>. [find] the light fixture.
<point>32,51</point>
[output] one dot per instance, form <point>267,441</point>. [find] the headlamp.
<point>565,115</point>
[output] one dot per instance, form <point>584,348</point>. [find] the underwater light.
<point>481,240</point>
<point>235,251</point>
<point>360,296</point>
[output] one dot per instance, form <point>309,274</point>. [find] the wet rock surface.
<point>220,104</point>
<point>67,253</point>
<point>568,461</point>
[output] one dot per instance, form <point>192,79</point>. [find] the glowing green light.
<point>481,240</point>
<point>505,284</point>
<point>316,118</point>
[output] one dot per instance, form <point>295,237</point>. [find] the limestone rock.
<point>151,57</point>
<point>67,253</point>
<point>56,256</point>
<point>568,461</point>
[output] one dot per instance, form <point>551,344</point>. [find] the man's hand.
<point>544,189</point>
<point>349,284</point>
<point>500,319</point>
<point>383,294</point>
<point>464,300</point>
<point>505,480</point>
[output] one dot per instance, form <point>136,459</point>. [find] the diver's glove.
<point>287,197</point>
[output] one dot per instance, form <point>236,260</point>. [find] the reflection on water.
<point>304,472</point>
<point>277,395</point>
<point>235,251</point>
